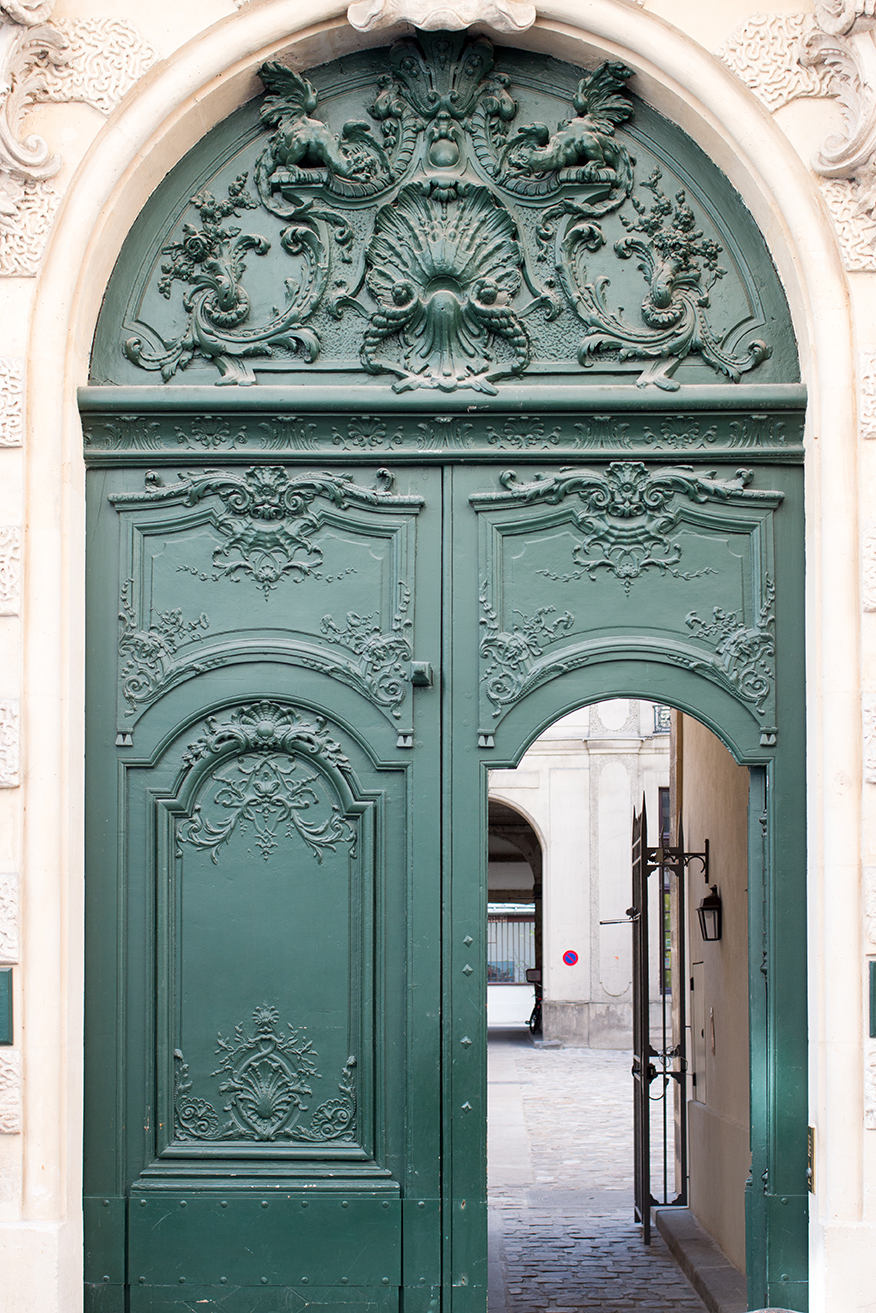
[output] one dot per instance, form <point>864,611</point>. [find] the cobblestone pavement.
<point>562,1239</point>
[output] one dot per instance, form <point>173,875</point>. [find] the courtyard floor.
<point>562,1238</point>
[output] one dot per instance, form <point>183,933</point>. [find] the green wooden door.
<point>263,893</point>
<point>301,668</point>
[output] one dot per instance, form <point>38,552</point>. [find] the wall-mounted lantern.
<point>709,914</point>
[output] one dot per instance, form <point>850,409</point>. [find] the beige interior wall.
<point>713,799</point>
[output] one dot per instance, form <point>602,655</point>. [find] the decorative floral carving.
<point>509,655</point>
<point>9,744</point>
<point>518,434</point>
<point>266,787</point>
<point>104,58</point>
<point>269,519</point>
<point>680,266</point>
<point>763,52</point>
<point>209,258</point>
<point>627,515</point>
<point>266,1074</point>
<point>11,399</point>
<point>10,570</point>
<point>9,944</point>
<point>146,656</point>
<point>452,16</point>
<point>746,653</point>
<point>484,222</point>
<point>443,269</point>
<point>10,1091</point>
<point>366,433</point>
<point>383,658</point>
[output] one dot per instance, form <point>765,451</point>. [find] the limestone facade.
<point>97,100</point>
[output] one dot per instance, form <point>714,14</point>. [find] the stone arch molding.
<point>169,111</point>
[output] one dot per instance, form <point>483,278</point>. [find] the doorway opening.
<point>640,1063</point>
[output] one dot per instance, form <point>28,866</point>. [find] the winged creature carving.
<point>304,150</point>
<point>584,148</point>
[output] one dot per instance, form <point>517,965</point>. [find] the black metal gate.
<point>659,1068</point>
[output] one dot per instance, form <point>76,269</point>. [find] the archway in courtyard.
<point>564,1140</point>
<point>337,607</point>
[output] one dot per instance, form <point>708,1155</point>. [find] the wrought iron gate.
<point>662,1067</point>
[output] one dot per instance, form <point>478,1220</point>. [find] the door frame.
<point>165,115</point>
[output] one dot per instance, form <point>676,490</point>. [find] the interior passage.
<point>562,1238</point>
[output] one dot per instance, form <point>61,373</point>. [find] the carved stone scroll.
<point>27,47</point>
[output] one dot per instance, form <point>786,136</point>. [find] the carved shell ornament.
<point>440,236</point>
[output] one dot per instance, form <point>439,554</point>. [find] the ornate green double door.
<point>322,608</point>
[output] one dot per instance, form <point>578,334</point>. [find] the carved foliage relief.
<point>259,529</point>
<point>438,239</point>
<point>265,1074</point>
<point>633,523</point>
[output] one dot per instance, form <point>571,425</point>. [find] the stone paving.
<point>562,1238</point>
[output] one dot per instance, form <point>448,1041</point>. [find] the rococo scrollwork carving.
<point>843,44</point>
<point>263,785</point>
<point>439,230</point>
<point>265,1074</point>
<point>28,47</point>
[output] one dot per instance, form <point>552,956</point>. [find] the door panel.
<point>259,1023</point>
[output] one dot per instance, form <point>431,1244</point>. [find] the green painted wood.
<point>286,888</point>
<point>259,1024</point>
<point>437,235</point>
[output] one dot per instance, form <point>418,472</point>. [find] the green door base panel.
<point>462,455</point>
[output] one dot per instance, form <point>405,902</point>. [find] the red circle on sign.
<point>570,957</point>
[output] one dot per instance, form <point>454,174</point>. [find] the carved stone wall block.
<point>867,394</point>
<point>9,744</point>
<point>763,53</point>
<point>10,569</point>
<point>445,15</point>
<point>11,400</point>
<point>10,1092</point>
<point>23,234</point>
<point>9,914</point>
<point>105,57</point>
<point>855,228</point>
<point>870,907</point>
<point>870,1087</point>
<point>868,573</point>
<point>868,707</point>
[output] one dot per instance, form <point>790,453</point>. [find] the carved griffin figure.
<point>583,149</point>
<point>303,149</point>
